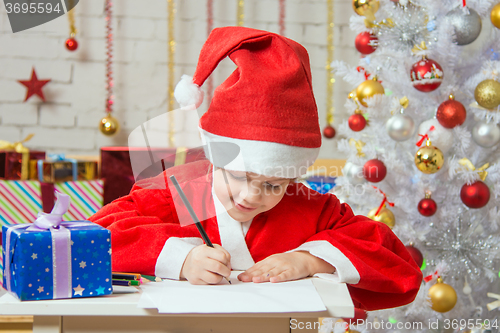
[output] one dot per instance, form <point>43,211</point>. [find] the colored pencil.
<point>122,276</point>
<point>137,275</point>
<point>193,215</point>
<point>144,280</point>
<point>151,278</point>
<point>125,283</point>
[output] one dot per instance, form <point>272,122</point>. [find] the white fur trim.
<point>172,256</point>
<point>264,158</point>
<point>232,237</point>
<point>345,272</point>
<point>188,95</point>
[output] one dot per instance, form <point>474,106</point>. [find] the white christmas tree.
<point>427,161</point>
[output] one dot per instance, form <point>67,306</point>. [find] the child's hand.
<point>206,265</point>
<point>286,267</point>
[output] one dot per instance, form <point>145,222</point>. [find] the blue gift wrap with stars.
<point>321,184</point>
<point>51,259</point>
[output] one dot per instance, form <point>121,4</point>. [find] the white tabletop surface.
<point>335,296</point>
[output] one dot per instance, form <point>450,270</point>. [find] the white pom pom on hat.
<point>188,94</point>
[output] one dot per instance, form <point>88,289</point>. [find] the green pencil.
<point>125,282</point>
<point>152,278</point>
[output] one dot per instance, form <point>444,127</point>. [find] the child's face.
<point>248,194</point>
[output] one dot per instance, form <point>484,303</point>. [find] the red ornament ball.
<point>329,132</point>
<point>357,122</point>
<point>427,207</point>
<point>426,75</point>
<point>374,170</point>
<point>359,314</point>
<point>475,195</point>
<point>416,255</point>
<point>366,43</point>
<point>71,44</point>
<point>451,113</point>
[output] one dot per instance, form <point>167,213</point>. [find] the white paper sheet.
<point>124,289</point>
<point>172,296</point>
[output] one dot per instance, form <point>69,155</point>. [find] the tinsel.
<point>282,17</point>
<point>171,71</point>
<point>71,19</point>
<point>240,13</point>
<point>210,26</point>
<point>109,56</point>
<point>330,80</point>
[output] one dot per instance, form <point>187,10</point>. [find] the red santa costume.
<point>267,109</point>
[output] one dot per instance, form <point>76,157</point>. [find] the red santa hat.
<point>265,108</point>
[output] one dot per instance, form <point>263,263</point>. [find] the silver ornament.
<point>400,127</point>
<point>485,134</point>
<point>354,173</point>
<point>467,26</point>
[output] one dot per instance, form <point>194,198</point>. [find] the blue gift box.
<point>61,260</point>
<point>321,184</point>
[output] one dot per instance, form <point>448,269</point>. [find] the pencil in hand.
<point>193,215</point>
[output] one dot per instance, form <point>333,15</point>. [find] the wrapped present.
<point>15,157</point>
<point>20,201</point>
<point>58,168</point>
<point>87,197</point>
<point>51,259</point>
<point>121,167</point>
<point>321,184</point>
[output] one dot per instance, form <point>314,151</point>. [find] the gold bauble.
<point>361,6</point>
<point>429,159</point>
<point>495,15</point>
<point>368,88</point>
<point>487,94</point>
<point>442,296</point>
<point>385,216</point>
<point>109,125</point>
<point>352,95</point>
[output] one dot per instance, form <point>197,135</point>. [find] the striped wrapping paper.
<point>86,198</point>
<point>20,202</point>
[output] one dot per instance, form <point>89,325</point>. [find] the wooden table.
<point>119,313</point>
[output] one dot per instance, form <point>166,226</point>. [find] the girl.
<point>262,221</point>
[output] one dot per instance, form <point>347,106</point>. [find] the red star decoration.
<point>34,86</point>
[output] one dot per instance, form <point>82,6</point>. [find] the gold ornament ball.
<point>495,15</point>
<point>429,159</point>
<point>385,216</point>
<point>360,6</point>
<point>442,296</point>
<point>487,94</point>
<point>369,88</point>
<point>109,125</point>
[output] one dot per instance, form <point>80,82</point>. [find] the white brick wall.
<point>67,121</point>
